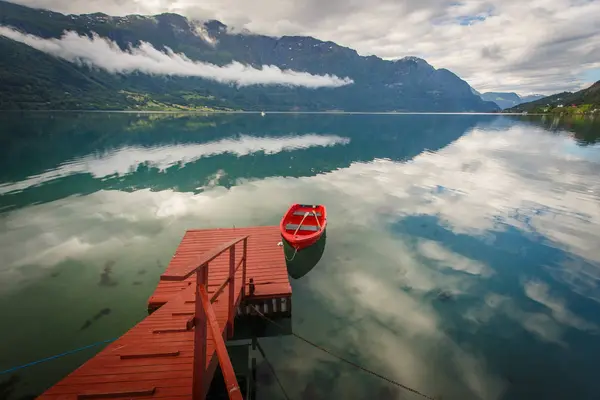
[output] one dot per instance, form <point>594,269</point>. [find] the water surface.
<point>462,256</point>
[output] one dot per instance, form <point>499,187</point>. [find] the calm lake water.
<point>462,259</point>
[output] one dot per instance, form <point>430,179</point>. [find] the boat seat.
<point>301,213</point>
<point>293,227</point>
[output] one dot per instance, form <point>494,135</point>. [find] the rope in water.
<point>344,359</point>
<point>66,353</point>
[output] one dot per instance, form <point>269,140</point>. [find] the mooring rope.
<point>415,391</point>
<point>66,353</point>
<point>294,256</point>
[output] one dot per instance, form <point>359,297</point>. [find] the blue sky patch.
<point>469,19</point>
<point>591,75</point>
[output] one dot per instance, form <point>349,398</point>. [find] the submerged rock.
<point>105,277</point>
<point>444,295</point>
<point>99,314</point>
<point>86,325</point>
<point>8,388</point>
<point>102,313</point>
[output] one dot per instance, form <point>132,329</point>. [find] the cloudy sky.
<point>538,46</point>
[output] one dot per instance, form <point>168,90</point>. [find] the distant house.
<point>560,106</point>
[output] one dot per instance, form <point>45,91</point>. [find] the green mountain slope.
<point>583,101</point>
<point>32,79</point>
<point>531,97</point>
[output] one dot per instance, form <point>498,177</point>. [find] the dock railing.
<point>204,315</point>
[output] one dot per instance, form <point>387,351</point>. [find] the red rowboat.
<point>302,225</point>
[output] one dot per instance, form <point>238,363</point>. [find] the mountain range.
<point>51,70</point>
<point>582,101</point>
<point>509,99</point>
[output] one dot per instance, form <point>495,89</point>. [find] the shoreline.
<point>191,112</point>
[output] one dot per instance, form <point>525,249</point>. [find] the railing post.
<point>200,337</point>
<point>231,302</point>
<point>244,268</point>
<point>231,384</point>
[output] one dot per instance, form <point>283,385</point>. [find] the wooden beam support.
<point>231,384</point>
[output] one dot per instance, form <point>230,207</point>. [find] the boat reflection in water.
<point>302,262</point>
<point>303,232</point>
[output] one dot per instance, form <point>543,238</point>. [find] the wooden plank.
<point>118,387</point>
<point>131,377</point>
<point>147,354</point>
<point>175,365</point>
<point>101,394</point>
<point>175,393</point>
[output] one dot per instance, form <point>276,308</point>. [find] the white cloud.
<point>448,259</point>
<point>537,324</point>
<point>105,54</point>
<point>540,292</point>
<point>580,275</point>
<point>541,46</point>
<point>126,159</point>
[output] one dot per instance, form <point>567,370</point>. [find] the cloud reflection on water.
<point>540,292</point>
<point>479,185</point>
<point>127,159</point>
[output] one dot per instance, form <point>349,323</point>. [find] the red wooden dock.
<point>161,356</point>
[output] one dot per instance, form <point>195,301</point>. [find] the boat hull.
<point>303,225</point>
<point>301,262</point>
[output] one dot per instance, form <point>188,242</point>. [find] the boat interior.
<point>305,219</point>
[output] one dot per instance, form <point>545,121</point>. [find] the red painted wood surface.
<point>186,270</point>
<point>154,359</point>
<point>265,264</point>
<point>233,389</point>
